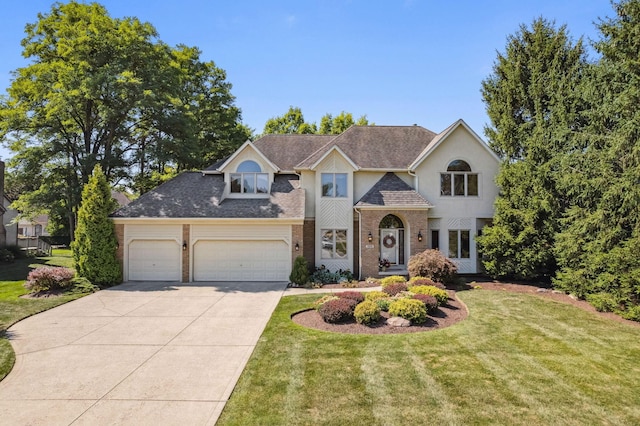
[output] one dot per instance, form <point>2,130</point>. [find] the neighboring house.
<point>10,225</point>
<point>345,202</point>
<point>31,228</point>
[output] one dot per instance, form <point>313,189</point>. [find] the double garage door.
<point>220,259</point>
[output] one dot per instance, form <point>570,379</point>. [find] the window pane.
<point>445,184</point>
<point>472,182</point>
<point>249,181</point>
<point>458,184</point>
<point>453,244</point>
<point>327,184</point>
<point>458,166</point>
<point>341,185</point>
<point>435,239</point>
<point>465,245</point>
<point>327,244</point>
<point>248,166</point>
<point>236,182</point>
<point>341,243</point>
<point>262,183</point>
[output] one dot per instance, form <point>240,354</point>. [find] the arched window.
<point>459,180</point>
<point>248,179</point>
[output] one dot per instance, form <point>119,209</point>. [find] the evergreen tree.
<point>598,249</point>
<point>533,107</point>
<point>95,244</point>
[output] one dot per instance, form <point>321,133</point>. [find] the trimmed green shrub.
<point>375,295</point>
<point>392,279</point>
<point>438,293</point>
<point>354,295</point>
<point>17,252</point>
<point>49,278</point>
<point>338,310</point>
<point>409,309</point>
<point>432,264</point>
<point>430,302</point>
<point>395,288</point>
<point>323,300</point>
<point>631,313</point>
<point>300,271</point>
<point>367,313</point>
<point>603,302</point>
<point>95,244</point>
<point>383,304</point>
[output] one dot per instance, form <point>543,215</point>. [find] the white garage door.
<point>154,260</point>
<point>241,261</point>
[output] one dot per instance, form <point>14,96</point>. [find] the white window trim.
<point>466,184</point>
<point>333,243</point>
<point>334,174</point>
<point>459,253</point>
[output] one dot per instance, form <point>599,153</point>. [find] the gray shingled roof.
<point>194,195</point>
<point>391,191</point>
<point>286,151</point>
<point>378,147</point>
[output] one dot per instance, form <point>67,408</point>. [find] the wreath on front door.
<point>389,241</point>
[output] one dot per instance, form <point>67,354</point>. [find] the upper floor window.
<point>459,180</point>
<point>248,179</point>
<point>334,185</point>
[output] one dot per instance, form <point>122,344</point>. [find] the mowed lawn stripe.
<point>517,359</point>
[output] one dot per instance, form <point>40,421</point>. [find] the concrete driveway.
<point>139,353</point>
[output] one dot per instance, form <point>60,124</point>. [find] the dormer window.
<point>459,180</point>
<point>248,179</point>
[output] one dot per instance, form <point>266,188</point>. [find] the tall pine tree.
<point>95,244</point>
<point>598,248</point>
<point>533,107</point>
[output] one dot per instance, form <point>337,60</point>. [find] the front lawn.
<point>517,359</point>
<point>13,308</point>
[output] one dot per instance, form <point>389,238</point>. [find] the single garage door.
<point>154,260</point>
<point>241,261</point>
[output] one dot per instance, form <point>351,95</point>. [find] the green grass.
<point>517,359</point>
<point>13,308</point>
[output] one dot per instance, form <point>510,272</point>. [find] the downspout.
<point>359,243</point>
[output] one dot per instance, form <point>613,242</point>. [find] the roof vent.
<point>414,124</point>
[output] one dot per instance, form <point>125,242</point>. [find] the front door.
<point>389,245</point>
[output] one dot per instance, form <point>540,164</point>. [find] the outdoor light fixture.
<point>370,237</point>
<point>184,245</point>
<point>297,247</point>
<point>419,236</point>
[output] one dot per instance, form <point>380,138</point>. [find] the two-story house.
<point>343,201</point>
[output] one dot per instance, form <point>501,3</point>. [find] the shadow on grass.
<point>20,268</point>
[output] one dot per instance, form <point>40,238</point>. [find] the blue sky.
<point>398,62</point>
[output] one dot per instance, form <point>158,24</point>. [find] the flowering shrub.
<point>367,313</point>
<point>409,309</point>
<point>438,293</point>
<point>338,310</point>
<point>323,300</point>
<point>430,302</point>
<point>48,278</point>
<point>395,288</point>
<point>432,264</point>
<point>392,279</point>
<point>354,295</point>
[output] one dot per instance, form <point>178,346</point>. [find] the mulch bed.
<point>455,311</point>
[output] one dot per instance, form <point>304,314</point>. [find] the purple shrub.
<point>48,278</point>
<point>353,295</point>
<point>338,310</point>
<point>430,302</point>
<point>395,288</point>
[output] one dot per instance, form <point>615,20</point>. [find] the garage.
<point>245,260</point>
<point>154,260</point>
